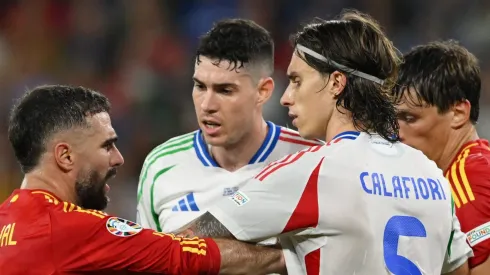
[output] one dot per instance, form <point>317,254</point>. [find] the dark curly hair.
<point>441,73</point>
<point>45,111</point>
<point>240,42</point>
<point>356,41</point>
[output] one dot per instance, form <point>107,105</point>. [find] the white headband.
<point>339,66</point>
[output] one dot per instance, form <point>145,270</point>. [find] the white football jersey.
<point>180,180</point>
<point>357,205</point>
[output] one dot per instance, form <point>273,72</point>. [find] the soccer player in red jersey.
<point>438,94</point>
<point>64,141</point>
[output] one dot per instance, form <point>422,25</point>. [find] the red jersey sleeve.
<point>470,183</point>
<point>88,240</point>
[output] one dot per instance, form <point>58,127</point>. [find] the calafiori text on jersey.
<point>402,186</point>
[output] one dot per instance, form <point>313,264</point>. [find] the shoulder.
<point>293,138</point>
<point>417,156</point>
<point>476,163</point>
<point>469,175</point>
<point>473,160</point>
<point>64,213</point>
<point>343,144</point>
<point>70,221</point>
<point>472,174</point>
<point>478,155</point>
<point>174,148</point>
<point>166,157</point>
<point>286,166</point>
<point>286,141</point>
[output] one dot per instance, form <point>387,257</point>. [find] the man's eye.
<point>226,91</point>
<point>407,118</point>
<point>199,86</point>
<point>295,82</point>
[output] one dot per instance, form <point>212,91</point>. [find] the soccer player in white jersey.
<point>184,176</point>
<point>364,203</point>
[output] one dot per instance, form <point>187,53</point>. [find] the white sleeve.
<point>458,249</point>
<point>268,205</point>
<point>146,215</point>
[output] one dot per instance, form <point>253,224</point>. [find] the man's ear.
<point>461,114</point>
<point>265,88</point>
<point>64,156</point>
<point>338,81</point>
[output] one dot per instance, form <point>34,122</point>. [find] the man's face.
<point>98,159</point>
<point>308,98</point>
<point>225,101</point>
<point>422,126</point>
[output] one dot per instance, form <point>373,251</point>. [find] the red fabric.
<point>469,175</point>
<point>50,236</point>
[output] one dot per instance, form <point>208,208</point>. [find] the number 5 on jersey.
<point>401,226</point>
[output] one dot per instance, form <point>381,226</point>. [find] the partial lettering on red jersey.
<point>40,231</point>
<point>469,176</point>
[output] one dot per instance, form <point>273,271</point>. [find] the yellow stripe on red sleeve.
<point>455,197</point>
<point>192,245</point>
<point>456,175</point>
<point>457,184</point>
<point>464,177</point>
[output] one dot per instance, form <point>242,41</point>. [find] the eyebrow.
<point>109,141</point>
<point>216,85</point>
<point>407,112</point>
<point>197,80</point>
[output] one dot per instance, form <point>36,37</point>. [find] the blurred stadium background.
<point>140,54</point>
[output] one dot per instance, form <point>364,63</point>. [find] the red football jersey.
<point>40,234</point>
<point>469,175</point>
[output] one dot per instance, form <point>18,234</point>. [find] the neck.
<point>457,139</point>
<point>340,122</point>
<point>39,179</point>
<point>238,155</point>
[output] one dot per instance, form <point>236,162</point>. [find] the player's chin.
<point>102,202</point>
<point>307,134</point>
<point>95,201</point>
<point>302,131</point>
<point>215,140</point>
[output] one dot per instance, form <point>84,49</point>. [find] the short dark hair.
<point>45,111</point>
<point>442,73</point>
<point>355,40</point>
<point>239,41</point>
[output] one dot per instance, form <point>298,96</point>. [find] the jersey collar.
<point>39,192</point>
<point>346,135</point>
<point>261,155</point>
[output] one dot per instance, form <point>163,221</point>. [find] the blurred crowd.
<point>140,54</point>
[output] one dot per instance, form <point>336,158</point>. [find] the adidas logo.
<point>186,204</point>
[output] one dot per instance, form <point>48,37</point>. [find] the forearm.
<point>206,226</point>
<point>237,257</point>
<point>242,258</point>
<point>482,269</point>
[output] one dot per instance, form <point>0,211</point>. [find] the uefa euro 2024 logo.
<point>122,228</point>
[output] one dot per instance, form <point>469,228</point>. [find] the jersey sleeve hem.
<point>228,222</point>
<point>215,256</point>
<point>459,262</point>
